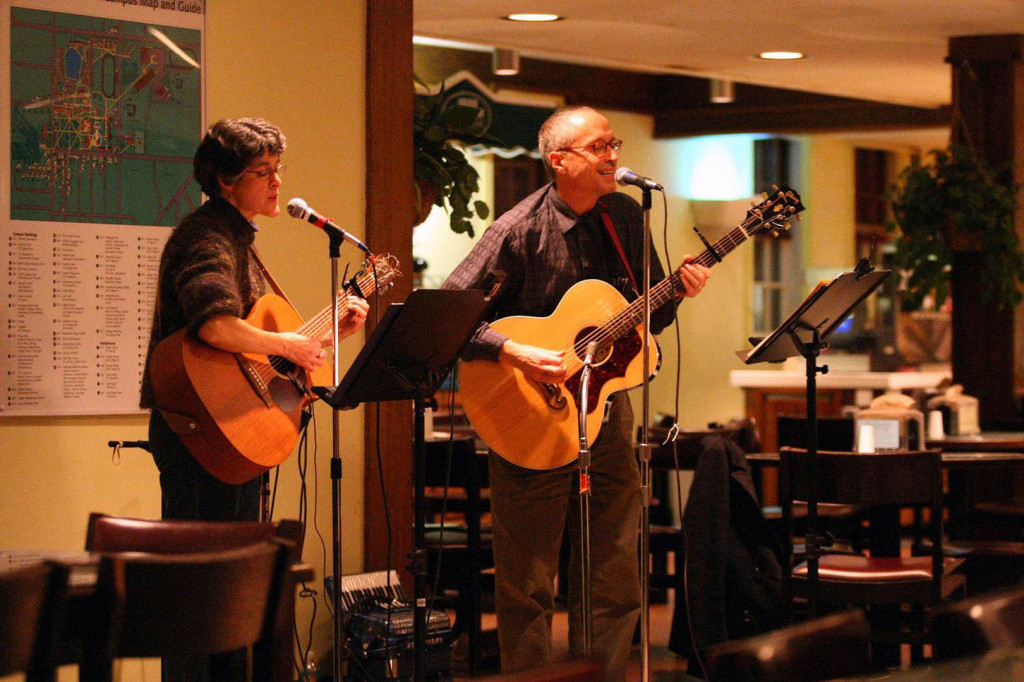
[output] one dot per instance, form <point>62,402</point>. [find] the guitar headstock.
<point>772,216</point>
<point>379,272</point>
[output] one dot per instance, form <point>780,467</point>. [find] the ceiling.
<point>890,51</point>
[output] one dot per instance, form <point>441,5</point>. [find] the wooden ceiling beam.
<point>796,118</point>
<point>680,104</point>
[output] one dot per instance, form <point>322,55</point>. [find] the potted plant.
<point>954,201</point>
<point>441,171</point>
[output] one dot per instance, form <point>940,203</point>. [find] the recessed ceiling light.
<point>781,55</point>
<point>533,17</point>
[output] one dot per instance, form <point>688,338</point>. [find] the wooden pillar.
<point>988,106</point>
<point>389,219</point>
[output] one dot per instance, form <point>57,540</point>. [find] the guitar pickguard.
<point>611,364</point>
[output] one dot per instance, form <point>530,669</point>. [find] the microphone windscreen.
<point>297,208</point>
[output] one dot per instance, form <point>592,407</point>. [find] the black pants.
<point>189,493</point>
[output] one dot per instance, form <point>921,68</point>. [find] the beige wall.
<point>301,65</point>
<point>829,224</point>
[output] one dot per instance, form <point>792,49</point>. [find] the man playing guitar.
<point>573,229</point>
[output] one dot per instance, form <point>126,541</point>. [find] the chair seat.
<point>455,536</point>
<point>892,580</point>
<point>857,567</point>
<point>827,510</point>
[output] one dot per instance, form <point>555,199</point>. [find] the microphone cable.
<point>675,462</point>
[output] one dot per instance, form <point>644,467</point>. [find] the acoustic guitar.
<point>536,425</point>
<point>239,414</point>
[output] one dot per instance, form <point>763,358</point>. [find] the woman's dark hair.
<point>228,148</point>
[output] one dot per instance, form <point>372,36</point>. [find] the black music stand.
<point>408,355</point>
<point>805,332</point>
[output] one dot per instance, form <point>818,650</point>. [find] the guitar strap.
<point>270,278</point>
<point>613,233</point>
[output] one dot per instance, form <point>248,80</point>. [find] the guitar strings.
<point>628,318</point>
<point>318,324</point>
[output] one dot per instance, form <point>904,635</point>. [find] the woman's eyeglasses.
<point>265,173</point>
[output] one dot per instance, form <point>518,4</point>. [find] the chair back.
<point>821,649</point>
<point>273,656</point>
<point>150,605</point>
<point>31,612</point>
<point>466,476</point>
<point>897,478</point>
<point>118,534</point>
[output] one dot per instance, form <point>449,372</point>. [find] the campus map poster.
<point>100,112</point>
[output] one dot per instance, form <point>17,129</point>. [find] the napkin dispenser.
<point>894,421</point>
<point>959,411</point>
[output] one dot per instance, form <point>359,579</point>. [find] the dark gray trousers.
<point>530,511</point>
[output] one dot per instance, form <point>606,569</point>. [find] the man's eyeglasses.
<point>265,173</point>
<point>599,148</point>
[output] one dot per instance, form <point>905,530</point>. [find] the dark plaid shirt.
<point>206,269</point>
<point>544,248</point>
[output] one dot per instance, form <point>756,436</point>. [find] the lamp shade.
<point>721,91</point>
<point>505,62</point>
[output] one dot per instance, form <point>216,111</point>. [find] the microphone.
<point>588,356</point>
<point>298,208</point>
<point>625,176</point>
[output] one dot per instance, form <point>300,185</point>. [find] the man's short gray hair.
<point>557,132</point>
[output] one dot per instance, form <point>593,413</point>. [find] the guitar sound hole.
<point>601,354</point>
<point>284,394</point>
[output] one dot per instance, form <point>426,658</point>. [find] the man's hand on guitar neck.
<point>693,277</point>
<point>539,364</point>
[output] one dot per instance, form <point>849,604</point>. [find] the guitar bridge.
<point>553,396</point>
<point>252,375</point>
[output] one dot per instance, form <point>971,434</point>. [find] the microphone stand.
<point>644,452</point>
<point>584,498</point>
<point>339,635</point>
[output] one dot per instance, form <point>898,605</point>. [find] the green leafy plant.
<point>442,173</point>
<point>955,201</point>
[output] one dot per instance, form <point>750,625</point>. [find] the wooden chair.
<point>666,534</point>
<point>975,627</point>
<point>31,612</point>
<point>885,483</point>
<point>821,649</point>
<point>118,534</point>
<point>190,605</point>
<point>463,547</point>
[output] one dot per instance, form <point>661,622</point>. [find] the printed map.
<point>104,120</point>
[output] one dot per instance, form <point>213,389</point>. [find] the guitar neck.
<point>320,324</point>
<point>665,290</point>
